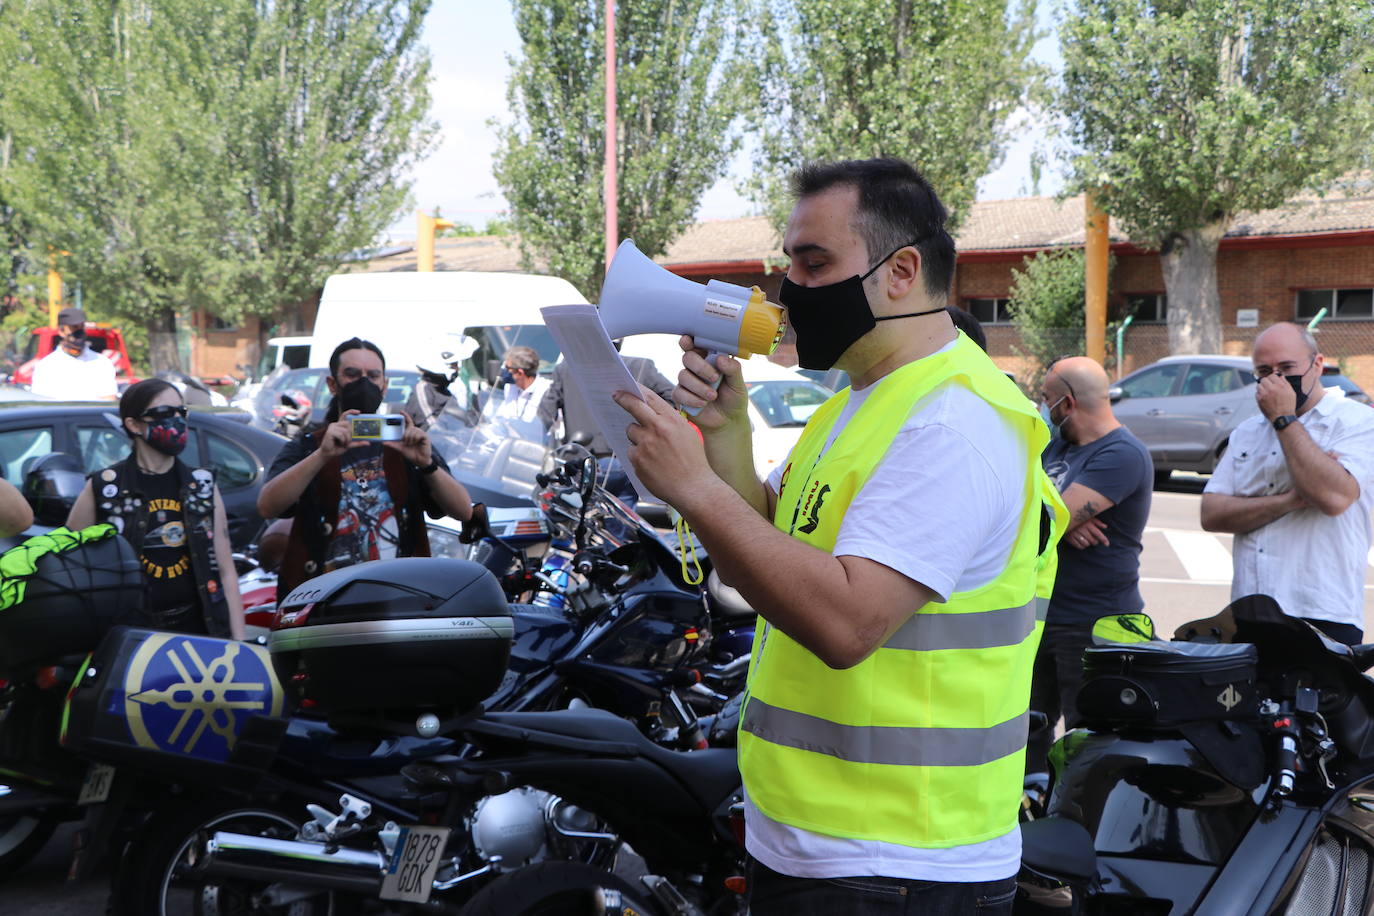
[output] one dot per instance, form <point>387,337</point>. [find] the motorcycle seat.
<point>1058,848</point>
<point>709,775</point>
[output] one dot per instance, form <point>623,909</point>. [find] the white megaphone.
<point>640,297</point>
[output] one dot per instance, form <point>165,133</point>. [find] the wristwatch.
<point>431,467</point>
<point>1281,422</point>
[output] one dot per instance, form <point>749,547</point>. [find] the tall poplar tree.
<point>680,85</point>
<point>1187,112</point>
<point>215,154</point>
<point>935,82</point>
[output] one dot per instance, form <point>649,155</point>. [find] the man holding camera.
<point>356,499</point>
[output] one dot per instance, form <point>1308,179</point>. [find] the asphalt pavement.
<point>1185,574</point>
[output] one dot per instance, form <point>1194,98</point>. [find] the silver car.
<point>1184,407</point>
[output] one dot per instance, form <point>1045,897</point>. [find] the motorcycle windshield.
<point>495,459</point>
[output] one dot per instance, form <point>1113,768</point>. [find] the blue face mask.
<point>1045,414</point>
<point>506,377</point>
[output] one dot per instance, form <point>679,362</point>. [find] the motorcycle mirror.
<point>588,477</point>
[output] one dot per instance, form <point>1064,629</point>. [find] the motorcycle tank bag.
<point>1165,684</point>
<point>72,597</point>
<point>394,637</point>
<point>190,707</point>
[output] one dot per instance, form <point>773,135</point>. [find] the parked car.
<point>92,433</point>
<point>1184,407</point>
<point>780,402</point>
<point>1332,378</point>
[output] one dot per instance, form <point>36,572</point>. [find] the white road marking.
<point>1202,555</point>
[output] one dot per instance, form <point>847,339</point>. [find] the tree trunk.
<point>163,354</point>
<point>1189,261</point>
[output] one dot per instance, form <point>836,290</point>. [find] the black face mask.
<point>75,340</point>
<point>829,319</point>
<point>361,394</point>
<point>1296,382</point>
<point>167,435</point>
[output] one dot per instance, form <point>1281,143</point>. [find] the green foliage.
<point>932,82</point>
<point>1048,305</point>
<point>1187,113</point>
<point>215,154</point>
<point>679,86</point>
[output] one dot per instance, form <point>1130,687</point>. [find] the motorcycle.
<point>1228,771</point>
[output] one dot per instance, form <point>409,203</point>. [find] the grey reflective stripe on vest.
<point>921,747</point>
<point>1042,609</point>
<point>976,630</point>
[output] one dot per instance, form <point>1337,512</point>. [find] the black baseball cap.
<point>71,316</point>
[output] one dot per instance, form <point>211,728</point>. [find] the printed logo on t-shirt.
<point>367,528</point>
<point>814,500</point>
<point>1058,472</point>
<point>164,533</point>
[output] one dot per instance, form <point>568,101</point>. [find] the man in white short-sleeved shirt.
<point>73,371</point>
<point>1296,487</point>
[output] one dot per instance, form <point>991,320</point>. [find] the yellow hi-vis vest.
<point>922,743</point>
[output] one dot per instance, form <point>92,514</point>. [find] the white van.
<point>406,314</point>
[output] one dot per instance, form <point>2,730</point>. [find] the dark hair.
<point>968,322</point>
<point>897,207</point>
<point>353,343</point>
<point>133,404</point>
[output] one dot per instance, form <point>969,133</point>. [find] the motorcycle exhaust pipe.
<point>257,858</point>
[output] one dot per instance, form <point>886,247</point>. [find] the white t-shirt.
<point>941,508</point>
<point>1312,564</point>
<point>88,377</point>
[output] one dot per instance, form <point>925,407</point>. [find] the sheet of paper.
<point>598,371</point>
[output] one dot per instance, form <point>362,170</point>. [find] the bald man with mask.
<point>1105,475</point>
<point>1296,488</point>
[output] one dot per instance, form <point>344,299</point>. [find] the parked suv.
<point>1184,407</point>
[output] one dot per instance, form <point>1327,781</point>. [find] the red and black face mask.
<point>166,430</point>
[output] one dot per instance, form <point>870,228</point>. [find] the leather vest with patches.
<point>119,502</point>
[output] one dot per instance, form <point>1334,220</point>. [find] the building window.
<point>1148,308</point>
<point>216,323</point>
<point>1339,303</point>
<point>989,311</point>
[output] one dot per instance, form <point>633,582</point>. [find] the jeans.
<point>1054,685</point>
<point>773,894</point>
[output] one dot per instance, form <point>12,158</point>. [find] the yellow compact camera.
<point>378,427</point>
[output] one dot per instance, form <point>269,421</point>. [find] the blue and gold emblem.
<point>191,695</point>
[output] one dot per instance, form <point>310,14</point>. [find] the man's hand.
<point>665,450</point>
<point>1089,533</point>
<point>414,445</point>
<point>1275,397</point>
<point>720,407</point>
<point>338,437</point>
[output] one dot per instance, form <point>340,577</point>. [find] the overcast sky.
<point>470,42</point>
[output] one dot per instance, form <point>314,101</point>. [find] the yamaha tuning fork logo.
<point>191,695</point>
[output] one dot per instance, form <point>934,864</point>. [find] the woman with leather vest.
<point>171,513</point>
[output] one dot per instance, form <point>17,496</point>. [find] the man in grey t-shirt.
<point>1105,476</point>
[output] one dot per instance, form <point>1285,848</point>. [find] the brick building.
<point>1284,264</point>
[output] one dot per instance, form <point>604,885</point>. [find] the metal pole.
<point>1121,345</point>
<point>1095,244</point>
<point>609,190</point>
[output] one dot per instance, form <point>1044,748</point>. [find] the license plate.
<point>96,788</point>
<point>410,874</point>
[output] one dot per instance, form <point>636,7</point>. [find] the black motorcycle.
<point>1230,771</point>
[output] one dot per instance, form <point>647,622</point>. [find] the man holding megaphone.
<point>896,562</point>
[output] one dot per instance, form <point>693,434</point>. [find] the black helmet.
<point>51,485</point>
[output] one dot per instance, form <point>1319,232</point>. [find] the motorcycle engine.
<point>510,825</point>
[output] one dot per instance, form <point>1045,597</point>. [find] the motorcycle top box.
<point>394,637</point>
<point>63,596</point>
<point>188,706</point>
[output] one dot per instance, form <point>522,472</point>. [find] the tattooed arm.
<point>1085,503</point>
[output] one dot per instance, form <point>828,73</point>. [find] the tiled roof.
<point>1029,222</point>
